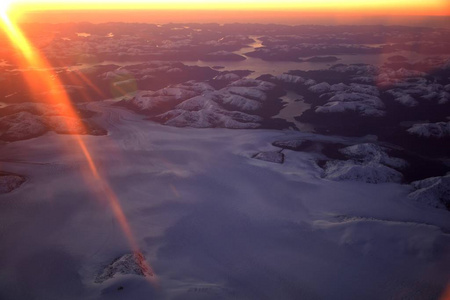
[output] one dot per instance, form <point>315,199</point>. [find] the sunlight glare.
<point>399,7</point>
<point>4,7</point>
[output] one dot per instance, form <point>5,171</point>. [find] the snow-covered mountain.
<point>243,103</point>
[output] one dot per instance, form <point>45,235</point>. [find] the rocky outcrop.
<point>127,264</point>
<point>434,191</point>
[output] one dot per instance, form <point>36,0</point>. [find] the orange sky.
<point>292,12</point>
<point>371,7</point>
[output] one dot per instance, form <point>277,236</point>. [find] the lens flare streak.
<point>49,81</point>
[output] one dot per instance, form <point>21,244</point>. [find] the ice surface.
<point>218,213</point>
<point>213,222</point>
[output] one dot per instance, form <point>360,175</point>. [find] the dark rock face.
<point>294,144</point>
<point>132,263</point>
<point>21,126</point>
<point>270,156</point>
<point>9,182</point>
<point>28,120</point>
<point>434,191</point>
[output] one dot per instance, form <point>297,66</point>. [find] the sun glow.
<point>389,7</point>
<point>4,7</point>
